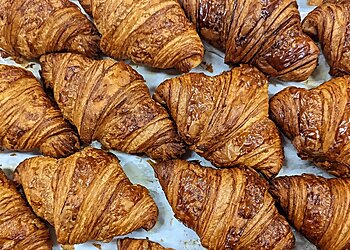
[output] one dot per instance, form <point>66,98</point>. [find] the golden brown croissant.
<point>225,118</point>
<point>110,102</point>
<point>152,32</point>
<point>86,196</point>
<point>134,244</point>
<point>317,207</point>
<point>20,229</point>
<point>330,24</point>
<point>266,34</point>
<point>317,122</point>
<point>31,28</point>
<point>228,208</point>
<point>28,118</point>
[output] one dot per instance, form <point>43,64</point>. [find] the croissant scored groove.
<point>227,208</point>
<point>29,120</point>
<point>225,118</point>
<point>319,208</point>
<point>31,28</point>
<point>317,121</point>
<point>110,102</point>
<point>86,196</point>
<point>20,229</point>
<point>135,244</point>
<point>266,34</point>
<point>330,24</point>
<point>152,32</point>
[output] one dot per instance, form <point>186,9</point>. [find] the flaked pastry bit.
<point>266,34</point>
<point>330,25</point>
<point>152,32</point>
<point>225,118</point>
<point>137,244</point>
<point>20,229</point>
<point>108,101</point>
<point>317,123</point>
<point>227,208</point>
<point>86,196</point>
<point>29,119</point>
<point>31,28</point>
<point>319,208</point>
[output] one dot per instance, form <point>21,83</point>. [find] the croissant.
<point>110,102</point>
<point>20,229</point>
<point>85,196</point>
<point>329,23</point>
<point>317,207</point>
<point>227,208</point>
<point>225,118</point>
<point>152,32</point>
<point>28,118</point>
<point>319,2</point>
<point>266,34</point>
<point>317,122</point>
<point>134,244</point>
<point>32,28</point>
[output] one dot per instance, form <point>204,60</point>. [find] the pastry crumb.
<point>208,67</point>
<point>98,246</point>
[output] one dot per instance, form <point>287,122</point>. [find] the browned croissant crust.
<point>86,196</point>
<point>30,28</point>
<point>28,118</point>
<point>225,118</point>
<point>266,34</point>
<point>134,244</point>
<point>319,208</point>
<point>330,24</point>
<point>20,229</point>
<point>227,208</point>
<point>152,32</point>
<point>317,122</point>
<point>110,102</point>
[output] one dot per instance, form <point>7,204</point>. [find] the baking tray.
<point>169,231</point>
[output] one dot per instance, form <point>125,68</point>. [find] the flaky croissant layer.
<point>330,24</point>
<point>266,34</point>
<point>228,209</point>
<point>134,244</point>
<point>317,207</point>
<point>152,32</point>
<point>225,118</point>
<point>29,119</point>
<point>110,102</point>
<point>31,28</point>
<point>86,196</point>
<point>317,122</point>
<point>20,229</point>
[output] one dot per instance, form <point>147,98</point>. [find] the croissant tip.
<point>189,63</point>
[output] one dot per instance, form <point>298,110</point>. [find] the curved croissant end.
<point>330,24</point>
<point>152,32</point>
<point>317,122</point>
<point>31,28</point>
<point>19,227</point>
<point>135,244</point>
<point>110,102</point>
<point>86,196</point>
<point>225,118</point>
<point>228,208</point>
<point>266,34</point>
<point>317,207</point>
<point>28,118</point>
